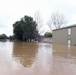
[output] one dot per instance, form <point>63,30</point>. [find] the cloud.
<point>3,20</point>
<point>7,31</point>
<point>13,10</point>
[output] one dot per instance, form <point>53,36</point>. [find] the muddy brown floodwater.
<point>20,58</point>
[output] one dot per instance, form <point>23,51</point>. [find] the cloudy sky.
<point>13,10</point>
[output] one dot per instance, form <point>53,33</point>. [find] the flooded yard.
<point>21,58</point>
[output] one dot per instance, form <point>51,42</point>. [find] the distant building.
<point>45,39</point>
<point>66,35</point>
<point>48,39</point>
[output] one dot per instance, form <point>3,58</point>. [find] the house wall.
<point>61,36</point>
<point>73,36</point>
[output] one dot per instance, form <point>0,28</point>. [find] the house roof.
<point>74,25</point>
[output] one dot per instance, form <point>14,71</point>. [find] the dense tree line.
<point>25,29</point>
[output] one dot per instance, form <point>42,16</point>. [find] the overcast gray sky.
<point>13,10</point>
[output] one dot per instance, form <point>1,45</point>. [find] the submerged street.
<point>21,58</point>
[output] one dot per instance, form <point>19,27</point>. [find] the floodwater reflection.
<point>66,51</point>
<point>35,57</point>
<point>21,58</point>
<point>24,53</point>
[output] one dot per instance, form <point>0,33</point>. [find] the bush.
<point>48,34</point>
<point>3,36</point>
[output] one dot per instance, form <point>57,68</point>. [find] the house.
<point>47,39</point>
<point>65,35</point>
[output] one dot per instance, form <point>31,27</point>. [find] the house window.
<point>69,42</point>
<point>69,31</point>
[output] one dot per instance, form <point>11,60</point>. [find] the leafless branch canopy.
<point>38,20</point>
<point>57,20</point>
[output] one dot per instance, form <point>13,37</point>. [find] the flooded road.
<point>20,58</point>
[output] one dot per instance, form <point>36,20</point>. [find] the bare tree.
<point>56,21</point>
<point>39,21</point>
